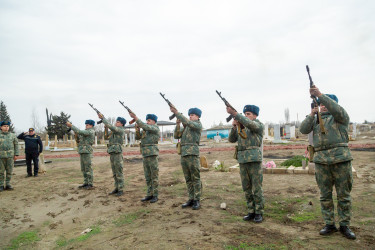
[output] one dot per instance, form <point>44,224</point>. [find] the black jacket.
<point>31,143</point>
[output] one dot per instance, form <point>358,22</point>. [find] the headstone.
<point>276,132</point>
<point>72,141</point>
<point>55,141</point>
<point>126,139</point>
<point>203,162</point>
<point>46,144</point>
<point>42,165</point>
<point>310,136</point>
<point>266,132</point>
<point>217,138</point>
<point>354,130</point>
<point>287,131</point>
<point>292,132</point>
<point>131,138</point>
<point>96,141</point>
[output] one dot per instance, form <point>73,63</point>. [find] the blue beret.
<point>5,123</point>
<point>251,108</point>
<point>152,117</point>
<point>122,120</point>
<point>90,122</point>
<point>195,111</point>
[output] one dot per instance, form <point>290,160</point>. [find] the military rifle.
<point>97,111</point>
<point>241,127</point>
<point>170,105</point>
<point>315,103</point>
<point>128,109</point>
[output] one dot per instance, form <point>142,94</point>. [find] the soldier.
<point>249,156</point>
<point>149,148</point>
<point>86,138</point>
<point>8,152</point>
<point>116,140</point>
<point>332,160</point>
<point>190,136</point>
<point>33,147</point>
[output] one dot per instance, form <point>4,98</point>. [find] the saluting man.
<point>33,147</point>
<point>116,140</point>
<point>333,160</point>
<point>190,137</point>
<point>149,137</point>
<point>249,156</point>
<point>86,139</point>
<point>8,151</point>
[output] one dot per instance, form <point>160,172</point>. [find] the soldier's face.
<point>250,115</point>
<point>150,122</point>
<point>5,128</point>
<point>323,108</point>
<point>193,117</point>
<point>88,126</point>
<point>31,132</point>
<point>118,124</point>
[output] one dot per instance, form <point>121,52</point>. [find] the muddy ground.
<point>50,212</point>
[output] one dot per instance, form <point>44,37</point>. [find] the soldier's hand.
<point>178,121</point>
<point>234,123</point>
<point>101,116</point>
<point>315,91</point>
<point>68,124</point>
<point>173,110</point>
<point>314,111</point>
<point>231,111</point>
<point>132,115</point>
<point>14,158</point>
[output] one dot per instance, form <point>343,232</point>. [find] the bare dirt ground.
<point>49,212</point>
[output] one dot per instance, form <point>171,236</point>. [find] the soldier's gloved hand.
<point>315,91</point>
<point>314,111</point>
<point>68,124</point>
<point>101,116</point>
<point>173,110</point>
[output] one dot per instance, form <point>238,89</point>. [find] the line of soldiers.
<point>332,156</point>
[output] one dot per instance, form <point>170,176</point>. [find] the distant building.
<point>222,130</point>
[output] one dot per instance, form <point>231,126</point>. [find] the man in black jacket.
<point>33,147</point>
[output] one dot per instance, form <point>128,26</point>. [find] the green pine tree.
<point>58,126</point>
<point>4,116</point>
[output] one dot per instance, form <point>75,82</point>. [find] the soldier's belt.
<point>246,148</point>
<point>145,145</point>
<point>330,146</point>
<point>111,144</point>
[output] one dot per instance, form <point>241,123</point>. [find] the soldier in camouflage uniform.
<point>190,136</point>
<point>332,160</point>
<point>86,138</point>
<point>149,148</point>
<point>249,156</point>
<point>8,152</point>
<point>116,140</point>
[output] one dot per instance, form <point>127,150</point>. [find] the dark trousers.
<point>35,158</point>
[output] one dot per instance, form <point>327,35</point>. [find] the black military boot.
<point>89,187</point>
<point>28,175</point>
<point>1,188</point>
<point>114,191</point>
<point>345,230</point>
<point>258,218</point>
<point>328,229</point>
<point>196,205</point>
<point>249,216</point>
<point>120,193</point>
<point>83,186</point>
<point>147,198</point>
<point>189,203</point>
<point>35,174</point>
<point>8,187</point>
<point>154,199</point>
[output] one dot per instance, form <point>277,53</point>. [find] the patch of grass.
<point>24,239</point>
<point>292,210</point>
<point>221,167</point>
<point>248,246</point>
<point>62,242</point>
<point>295,161</point>
<point>230,218</point>
<point>129,218</point>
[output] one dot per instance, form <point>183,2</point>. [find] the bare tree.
<point>35,121</point>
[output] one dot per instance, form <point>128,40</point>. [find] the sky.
<point>62,55</point>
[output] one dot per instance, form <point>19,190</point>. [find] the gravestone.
<point>217,138</point>
<point>266,132</point>
<point>46,144</point>
<point>354,130</point>
<point>96,141</point>
<point>276,133</point>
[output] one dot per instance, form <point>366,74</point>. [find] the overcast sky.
<point>65,54</point>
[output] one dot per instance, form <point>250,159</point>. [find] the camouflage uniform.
<point>332,160</point>
<point>149,148</point>
<point>8,149</point>
<point>249,156</point>
<point>190,137</point>
<point>86,139</point>
<point>116,140</point>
